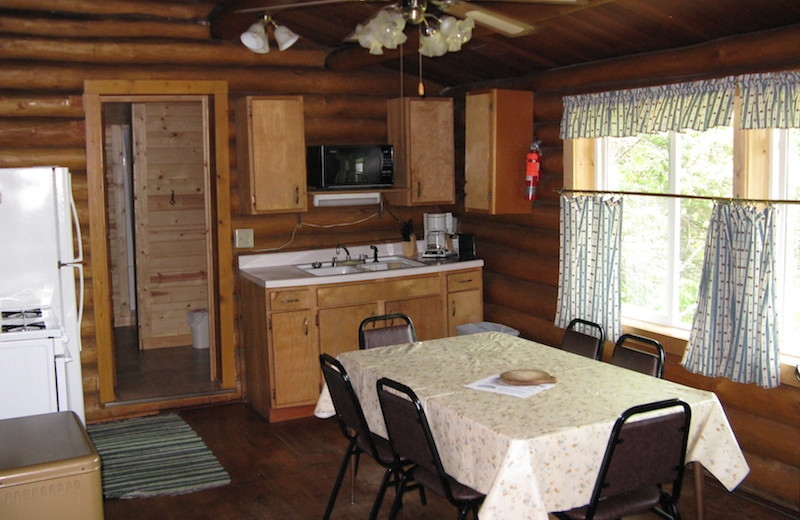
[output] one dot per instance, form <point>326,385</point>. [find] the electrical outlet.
<point>243,238</point>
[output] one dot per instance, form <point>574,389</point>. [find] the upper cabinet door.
<point>499,132</point>
<point>421,131</point>
<point>271,154</point>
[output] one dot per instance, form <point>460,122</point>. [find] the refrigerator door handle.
<point>77,234</point>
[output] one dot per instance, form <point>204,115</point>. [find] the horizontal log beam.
<point>36,133</point>
<point>521,265</point>
<point>43,105</point>
<point>489,234</point>
<point>106,28</point>
<point>172,10</point>
<point>527,297</point>
<point>266,80</point>
<point>72,158</point>
<point>157,53</point>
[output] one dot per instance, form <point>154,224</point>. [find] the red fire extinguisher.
<point>532,161</point>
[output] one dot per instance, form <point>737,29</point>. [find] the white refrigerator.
<point>41,293</point>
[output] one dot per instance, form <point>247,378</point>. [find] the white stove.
<point>41,294</point>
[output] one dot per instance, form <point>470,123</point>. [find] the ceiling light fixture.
<point>439,33</point>
<point>255,37</point>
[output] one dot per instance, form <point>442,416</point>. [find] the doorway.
<point>161,273</point>
<point>156,168</point>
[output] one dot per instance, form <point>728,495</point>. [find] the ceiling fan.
<point>444,25</point>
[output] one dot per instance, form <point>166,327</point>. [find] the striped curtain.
<point>698,105</point>
<point>770,100</point>
<point>734,328</point>
<point>589,262</point>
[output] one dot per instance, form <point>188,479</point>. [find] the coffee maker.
<point>438,229</point>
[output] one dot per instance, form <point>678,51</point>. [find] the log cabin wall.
<point>45,56</point>
<point>521,252</point>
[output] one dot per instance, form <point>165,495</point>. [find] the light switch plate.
<point>243,238</point>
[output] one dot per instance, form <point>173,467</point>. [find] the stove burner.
<point>27,313</point>
<point>20,327</point>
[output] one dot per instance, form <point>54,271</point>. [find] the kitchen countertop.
<point>274,270</point>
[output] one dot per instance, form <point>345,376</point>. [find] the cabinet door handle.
<point>291,300</point>
<point>297,195</point>
<point>454,308</point>
<point>465,281</point>
<point>305,326</point>
<point>419,189</point>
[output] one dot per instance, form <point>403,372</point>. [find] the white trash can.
<point>485,326</point>
<point>198,322</point>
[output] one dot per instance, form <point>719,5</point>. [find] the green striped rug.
<point>151,456</point>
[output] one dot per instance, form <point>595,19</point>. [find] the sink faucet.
<point>375,253</point>
<point>346,251</point>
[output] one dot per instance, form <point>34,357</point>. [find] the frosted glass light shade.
<point>285,37</point>
<point>255,38</point>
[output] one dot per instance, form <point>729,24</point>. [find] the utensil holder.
<point>410,246</point>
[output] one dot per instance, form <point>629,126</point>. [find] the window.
<point>785,184</point>
<point>663,238</point>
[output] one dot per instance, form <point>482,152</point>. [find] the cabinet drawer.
<point>289,299</point>
<point>378,290</point>
<point>464,281</point>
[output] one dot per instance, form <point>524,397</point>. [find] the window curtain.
<point>698,105</point>
<point>734,328</point>
<point>589,261</point>
<point>770,100</point>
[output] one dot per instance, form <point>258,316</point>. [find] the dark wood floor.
<point>285,471</point>
<point>146,375</point>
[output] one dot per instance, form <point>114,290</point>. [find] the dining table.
<point>539,452</point>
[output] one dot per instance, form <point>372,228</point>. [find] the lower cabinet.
<point>284,330</point>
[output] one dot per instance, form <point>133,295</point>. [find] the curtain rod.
<point>680,196</point>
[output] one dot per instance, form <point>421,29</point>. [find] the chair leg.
<point>385,482</point>
<point>398,498</point>
<point>353,473</point>
<point>351,449</point>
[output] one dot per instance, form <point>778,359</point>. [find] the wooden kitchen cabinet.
<point>338,326</point>
<point>499,132</point>
<point>285,329</point>
<point>464,299</point>
<point>421,131</point>
<point>271,154</point>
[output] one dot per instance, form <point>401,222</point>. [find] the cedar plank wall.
<point>45,59</point>
<point>521,252</point>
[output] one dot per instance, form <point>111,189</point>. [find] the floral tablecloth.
<point>537,454</point>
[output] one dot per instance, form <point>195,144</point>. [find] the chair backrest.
<point>409,432</point>
<point>644,452</point>
<point>345,401</point>
<point>578,342</point>
<point>651,363</point>
<point>387,335</point>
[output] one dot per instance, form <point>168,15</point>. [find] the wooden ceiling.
<point>564,35</point>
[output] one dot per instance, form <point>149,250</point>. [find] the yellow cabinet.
<point>285,329</point>
<point>338,326</point>
<point>421,131</point>
<point>271,154</point>
<point>464,299</point>
<point>293,363</point>
<point>499,132</point>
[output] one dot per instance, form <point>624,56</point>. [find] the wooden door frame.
<point>95,93</point>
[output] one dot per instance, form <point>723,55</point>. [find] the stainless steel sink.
<point>385,263</point>
<point>330,270</point>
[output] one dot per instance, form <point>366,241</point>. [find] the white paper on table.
<point>496,385</point>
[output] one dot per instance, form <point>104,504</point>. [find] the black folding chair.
<point>410,439</point>
<point>640,457</point>
<point>626,356</point>
<point>388,334</point>
<point>354,427</point>
<point>581,343</point>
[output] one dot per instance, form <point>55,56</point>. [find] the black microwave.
<point>333,167</point>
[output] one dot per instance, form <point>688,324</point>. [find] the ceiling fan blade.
<point>293,5</point>
<point>499,23</point>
